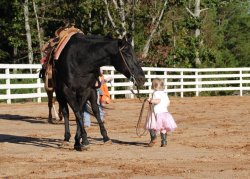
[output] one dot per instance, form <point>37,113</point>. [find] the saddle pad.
<point>62,44</point>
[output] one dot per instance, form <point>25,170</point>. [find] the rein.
<point>132,77</point>
<point>139,122</point>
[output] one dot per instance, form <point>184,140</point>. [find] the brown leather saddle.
<point>52,50</point>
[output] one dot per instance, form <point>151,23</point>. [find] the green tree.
<point>12,32</point>
<point>223,41</point>
<point>236,19</point>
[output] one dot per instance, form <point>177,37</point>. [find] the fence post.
<point>8,91</point>
<point>241,86</point>
<point>132,96</point>
<point>166,81</point>
<point>182,93</point>
<point>39,91</point>
<point>113,84</point>
<point>149,81</point>
<point>196,81</point>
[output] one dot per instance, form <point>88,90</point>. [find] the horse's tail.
<point>49,85</point>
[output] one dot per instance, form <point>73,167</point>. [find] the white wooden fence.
<point>21,81</point>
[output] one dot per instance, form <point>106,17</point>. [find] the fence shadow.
<point>40,142</point>
<point>29,119</point>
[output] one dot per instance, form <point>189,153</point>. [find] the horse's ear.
<point>122,41</point>
<point>109,36</point>
<point>129,38</point>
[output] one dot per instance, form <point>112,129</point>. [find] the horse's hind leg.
<point>96,111</point>
<point>60,113</point>
<point>65,112</point>
<point>50,98</point>
<point>54,108</point>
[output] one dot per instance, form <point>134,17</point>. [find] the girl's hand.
<point>149,100</point>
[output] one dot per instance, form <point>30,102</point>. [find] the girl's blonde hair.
<point>158,84</point>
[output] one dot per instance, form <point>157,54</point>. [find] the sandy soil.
<point>212,141</point>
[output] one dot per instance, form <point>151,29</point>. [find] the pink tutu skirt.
<point>162,122</point>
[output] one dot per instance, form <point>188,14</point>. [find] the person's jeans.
<point>86,116</point>
<point>101,112</point>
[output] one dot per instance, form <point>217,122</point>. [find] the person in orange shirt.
<point>104,96</point>
<point>103,99</point>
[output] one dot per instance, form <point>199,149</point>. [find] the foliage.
<point>223,42</point>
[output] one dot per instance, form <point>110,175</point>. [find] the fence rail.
<point>21,81</point>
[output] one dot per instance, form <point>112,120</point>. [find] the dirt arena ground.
<point>212,141</point>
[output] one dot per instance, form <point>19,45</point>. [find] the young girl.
<point>160,120</point>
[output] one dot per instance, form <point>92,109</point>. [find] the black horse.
<point>76,72</point>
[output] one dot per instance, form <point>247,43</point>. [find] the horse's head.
<point>128,64</point>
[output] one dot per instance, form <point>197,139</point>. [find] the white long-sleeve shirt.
<point>164,101</point>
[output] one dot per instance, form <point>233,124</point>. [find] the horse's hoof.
<point>107,141</point>
<point>50,121</point>
<point>67,137</point>
<point>81,147</point>
<point>86,142</point>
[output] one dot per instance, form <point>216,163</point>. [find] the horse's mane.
<point>95,37</point>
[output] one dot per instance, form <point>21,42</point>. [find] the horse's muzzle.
<point>140,82</point>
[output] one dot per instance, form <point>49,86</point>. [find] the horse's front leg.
<point>80,133</point>
<point>76,102</point>
<point>96,111</point>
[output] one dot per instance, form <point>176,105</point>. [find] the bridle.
<point>132,77</point>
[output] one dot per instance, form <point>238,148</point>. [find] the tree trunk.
<point>155,27</point>
<point>28,34</point>
<point>122,16</point>
<point>197,30</point>
<point>90,23</point>
<point>38,28</point>
<point>133,23</point>
<point>196,15</point>
<point>120,9</point>
<point>110,17</point>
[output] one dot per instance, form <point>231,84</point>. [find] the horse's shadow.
<point>24,140</point>
<point>55,143</point>
<point>116,141</point>
<point>29,119</point>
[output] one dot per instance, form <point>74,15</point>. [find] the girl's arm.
<point>154,101</point>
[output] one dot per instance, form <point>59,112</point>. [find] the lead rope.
<point>139,122</point>
<point>136,94</point>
